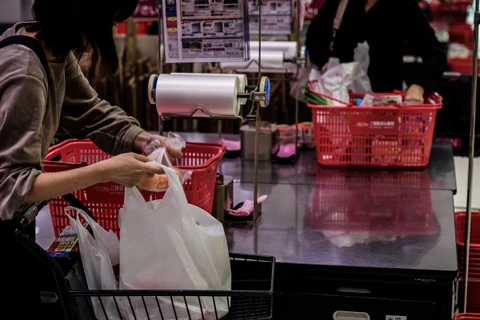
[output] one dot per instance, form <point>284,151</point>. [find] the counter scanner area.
<point>380,242</point>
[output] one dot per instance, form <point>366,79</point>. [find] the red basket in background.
<point>104,200</point>
<point>474,265</point>
<point>473,299</point>
<point>467,316</point>
<point>461,65</point>
<point>462,33</point>
<point>451,12</point>
<point>384,136</point>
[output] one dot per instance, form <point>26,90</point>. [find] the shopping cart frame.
<point>249,299</point>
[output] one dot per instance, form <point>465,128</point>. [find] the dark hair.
<point>73,25</point>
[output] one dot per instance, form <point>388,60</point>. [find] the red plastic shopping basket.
<point>462,33</point>
<point>104,200</point>
<point>450,7</point>
<point>474,266</point>
<point>387,136</point>
<point>461,65</point>
<point>473,299</point>
<point>467,316</point>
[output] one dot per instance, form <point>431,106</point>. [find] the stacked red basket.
<point>473,303</point>
<point>467,316</point>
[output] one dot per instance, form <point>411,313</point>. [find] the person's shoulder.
<point>17,59</point>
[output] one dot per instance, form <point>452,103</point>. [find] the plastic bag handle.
<point>93,226</point>
<point>174,184</point>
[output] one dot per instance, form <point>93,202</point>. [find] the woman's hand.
<point>147,143</point>
<point>414,94</point>
<point>127,169</point>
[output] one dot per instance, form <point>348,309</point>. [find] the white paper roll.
<point>182,94</point>
<point>241,77</point>
<point>270,60</point>
<point>289,48</point>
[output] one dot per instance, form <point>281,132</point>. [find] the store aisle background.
<point>45,230</point>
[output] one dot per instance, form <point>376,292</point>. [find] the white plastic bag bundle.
<point>170,244</point>
<point>337,80</point>
<point>341,77</point>
<point>99,253</point>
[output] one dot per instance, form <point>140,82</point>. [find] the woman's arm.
<point>51,185</point>
<point>23,141</point>
<point>125,169</point>
<point>422,37</point>
<point>319,34</point>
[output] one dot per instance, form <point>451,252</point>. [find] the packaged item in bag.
<point>376,100</point>
<point>159,182</point>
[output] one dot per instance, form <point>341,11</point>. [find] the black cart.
<point>64,292</point>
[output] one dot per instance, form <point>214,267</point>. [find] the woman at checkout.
<point>385,25</point>
<point>35,99</point>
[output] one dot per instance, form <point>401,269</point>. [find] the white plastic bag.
<point>99,255</point>
<point>341,77</point>
<point>170,244</point>
<point>336,81</point>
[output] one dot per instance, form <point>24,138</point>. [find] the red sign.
<point>311,8</point>
<point>146,9</point>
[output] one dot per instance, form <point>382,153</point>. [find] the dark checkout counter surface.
<point>383,251</point>
<point>351,227</point>
<point>382,243</point>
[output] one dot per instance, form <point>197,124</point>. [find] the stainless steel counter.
<point>351,227</point>
<point>439,175</point>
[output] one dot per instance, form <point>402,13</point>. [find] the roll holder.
<point>257,94</point>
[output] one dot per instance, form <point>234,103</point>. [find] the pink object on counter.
<point>247,208</point>
<point>231,145</point>
<point>286,151</point>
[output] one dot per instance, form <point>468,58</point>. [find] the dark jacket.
<point>386,27</point>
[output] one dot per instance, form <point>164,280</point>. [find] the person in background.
<point>385,25</point>
<point>35,102</point>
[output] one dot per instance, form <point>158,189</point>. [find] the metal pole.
<point>256,207</point>
<point>159,57</point>
<point>160,29</point>
<point>473,115</point>
<point>296,100</point>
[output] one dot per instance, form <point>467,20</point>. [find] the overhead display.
<point>276,17</point>
<point>205,30</point>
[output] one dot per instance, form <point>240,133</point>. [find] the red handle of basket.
<point>434,97</point>
<point>56,150</point>
<point>221,151</point>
